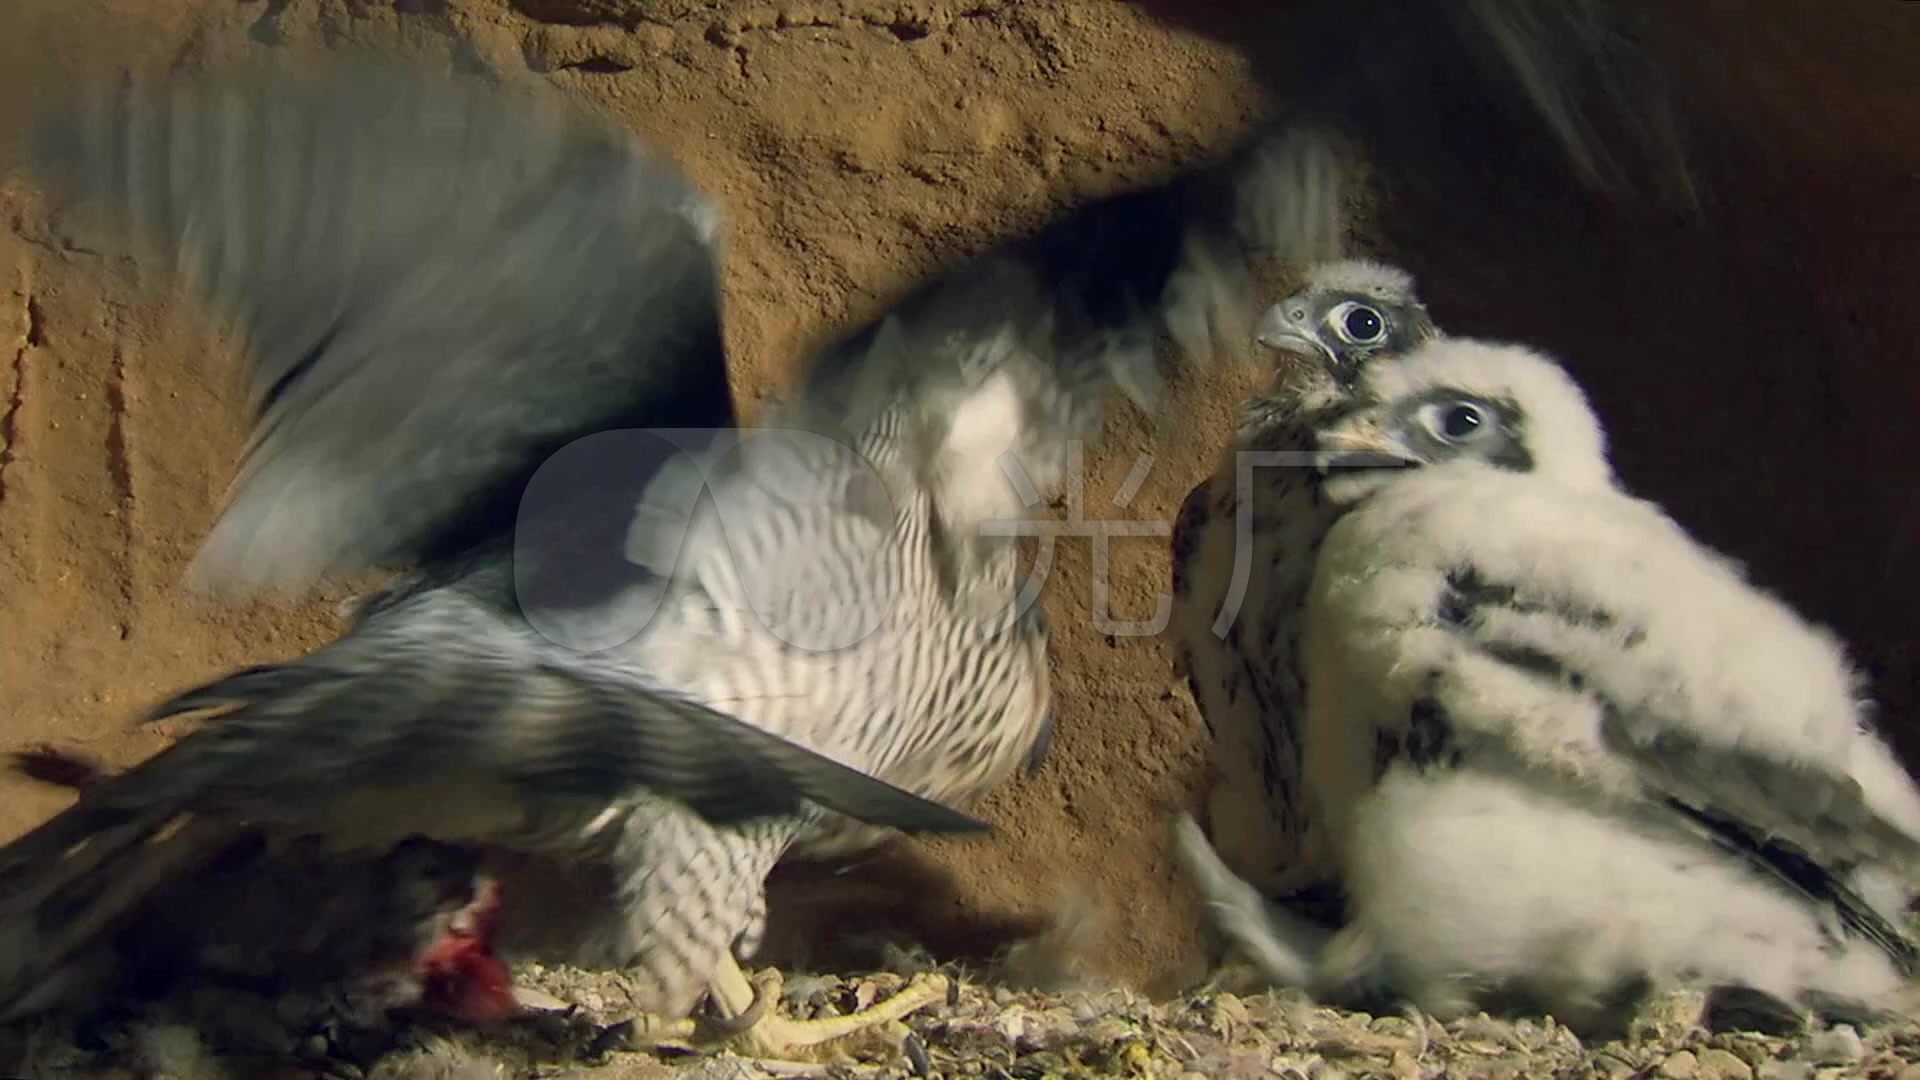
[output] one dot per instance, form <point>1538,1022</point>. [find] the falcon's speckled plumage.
<point>1248,682</point>
<point>441,288</point>
<point>484,345</point>
<point>1561,751</point>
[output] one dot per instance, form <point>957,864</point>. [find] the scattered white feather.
<point>1061,956</point>
<point>175,1052</point>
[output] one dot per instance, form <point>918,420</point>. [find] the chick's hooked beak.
<point>1284,327</point>
<point>1361,442</point>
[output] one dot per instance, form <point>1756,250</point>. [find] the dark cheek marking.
<point>1513,456</point>
<point>1513,453</point>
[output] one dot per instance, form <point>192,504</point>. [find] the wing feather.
<point>396,732</point>
<point>439,284</point>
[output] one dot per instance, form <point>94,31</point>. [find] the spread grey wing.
<point>446,691</point>
<point>973,389</point>
<point>440,718</point>
<point>439,286</point>
<point>1106,279</point>
<point>1586,78</point>
<point>1088,296</point>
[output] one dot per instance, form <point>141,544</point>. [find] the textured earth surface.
<point>997,1028</point>
<point>1756,367</point>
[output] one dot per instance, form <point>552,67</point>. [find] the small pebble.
<point>916,1052</point>
<point>1680,1066</point>
<point>535,1000</point>
<point>1718,1064</point>
<point>1785,1070</point>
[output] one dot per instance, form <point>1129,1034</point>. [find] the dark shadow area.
<point>833,916</point>
<point>839,915</point>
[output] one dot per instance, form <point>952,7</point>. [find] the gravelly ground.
<point>994,1031</point>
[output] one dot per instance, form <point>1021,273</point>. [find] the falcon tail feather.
<point>181,898</point>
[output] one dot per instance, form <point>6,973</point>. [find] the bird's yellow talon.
<point>750,1025</point>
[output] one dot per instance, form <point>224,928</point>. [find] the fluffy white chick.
<point>1243,551</point>
<point>1566,753</point>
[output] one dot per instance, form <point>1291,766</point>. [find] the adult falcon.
<point>484,347</point>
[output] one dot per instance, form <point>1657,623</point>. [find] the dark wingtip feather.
<point>724,769</point>
<point>559,273</point>
<point>58,768</point>
<point>1410,78</point>
<point>350,714</point>
<point>1792,866</point>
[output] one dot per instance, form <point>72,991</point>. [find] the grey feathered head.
<point>1454,399</point>
<point>1347,313</point>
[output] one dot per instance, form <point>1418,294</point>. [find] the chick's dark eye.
<point>1363,325</point>
<point>1461,421</point>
